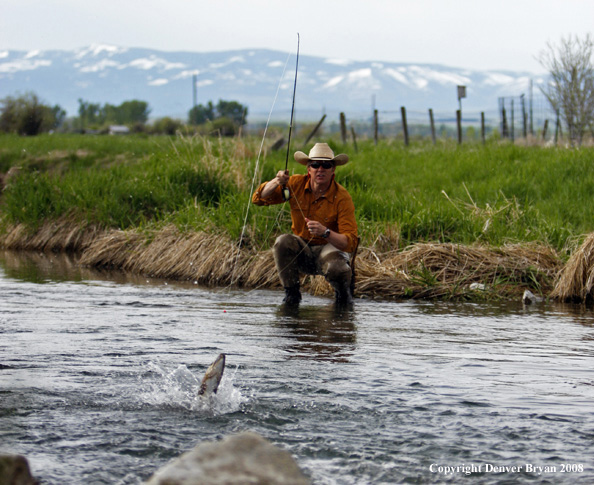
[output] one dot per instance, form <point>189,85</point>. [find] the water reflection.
<point>582,314</point>
<point>36,267</point>
<point>39,268</point>
<point>323,333</point>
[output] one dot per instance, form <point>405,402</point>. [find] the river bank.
<point>422,270</point>
<point>474,222</point>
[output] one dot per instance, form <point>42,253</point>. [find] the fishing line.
<point>285,190</point>
<point>286,193</point>
<point>303,249</point>
<point>247,210</point>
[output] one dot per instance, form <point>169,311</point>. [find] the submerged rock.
<point>14,470</point>
<point>243,458</point>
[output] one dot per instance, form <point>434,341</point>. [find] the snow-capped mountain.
<point>254,77</point>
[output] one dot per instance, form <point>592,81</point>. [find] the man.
<point>323,223</point>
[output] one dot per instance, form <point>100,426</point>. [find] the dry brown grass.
<point>208,259</point>
<point>576,280</point>
<point>64,235</point>
<point>428,270</point>
<point>422,270</point>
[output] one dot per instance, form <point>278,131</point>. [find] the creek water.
<point>99,375</point>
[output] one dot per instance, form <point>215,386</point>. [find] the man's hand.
<point>315,228</point>
<point>282,177</point>
<point>339,241</point>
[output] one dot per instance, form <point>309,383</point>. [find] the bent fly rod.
<point>286,193</point>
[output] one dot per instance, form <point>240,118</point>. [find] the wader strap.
<point>353,258</point>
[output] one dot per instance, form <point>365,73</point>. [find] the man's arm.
<point>282,177</point>
<point>267,193</point>
<point>347,225</point>
<point>339,241</point>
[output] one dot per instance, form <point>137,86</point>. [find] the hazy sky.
<point>474,34</point>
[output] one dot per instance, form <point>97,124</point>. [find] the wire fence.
<point>511,117</point>
<point>520,117</point>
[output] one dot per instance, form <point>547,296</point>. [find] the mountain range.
<point>260,79</point>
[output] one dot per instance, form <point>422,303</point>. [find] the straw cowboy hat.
<point>321,151</point>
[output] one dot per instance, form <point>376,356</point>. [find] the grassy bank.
<point>495,195</point>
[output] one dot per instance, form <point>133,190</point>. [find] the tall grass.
<point>493,194</point>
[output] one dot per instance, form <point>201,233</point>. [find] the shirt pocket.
<point>330,219</point>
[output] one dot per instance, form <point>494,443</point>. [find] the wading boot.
<point>343,297</point>
<point>292,295</point>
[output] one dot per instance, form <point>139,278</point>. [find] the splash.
<point>178,388</point>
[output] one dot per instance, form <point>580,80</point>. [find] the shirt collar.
<point>331,190</point>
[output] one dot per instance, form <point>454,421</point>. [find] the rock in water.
<point>243,458</point>
<point>14,470</point>
<point>528,298</point>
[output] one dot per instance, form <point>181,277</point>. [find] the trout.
<point>212,377</point>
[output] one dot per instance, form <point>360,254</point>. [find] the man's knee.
<point>285,242</point>
<point>338,270</point>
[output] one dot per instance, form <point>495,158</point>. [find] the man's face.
<point>318,173</point>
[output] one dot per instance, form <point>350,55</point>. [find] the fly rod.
<point>286,193</point>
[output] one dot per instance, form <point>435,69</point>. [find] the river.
<point>99,373</point>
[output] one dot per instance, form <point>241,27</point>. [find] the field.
<point>492,196</point>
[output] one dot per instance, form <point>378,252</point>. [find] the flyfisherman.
<point>323,224</point>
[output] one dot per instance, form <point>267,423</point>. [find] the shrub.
<point>166,126</point>
<point>26,115</point>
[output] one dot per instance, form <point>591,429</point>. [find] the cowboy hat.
<point>321,151</point>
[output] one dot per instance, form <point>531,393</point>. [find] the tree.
<point>59,116</point>
<point>127,113</point>
<point>201,114</point>
<point>570,91</point>
<point>133,111</point>
<point>89,113</point>
<point>224,119</point>
<point>232,110</point>
<point>27,115</point>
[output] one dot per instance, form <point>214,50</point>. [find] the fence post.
<point>375,126</point>
<point>544,130</point>
<point>524,118</point>
<point>531,112</point>
<point>278,144</point>
<point>315,130</point>
<point>504,131</point>
<point>512,133</point>
<point>483,126</point>
<point>432,122</point>
<point>404,125</point>
<point>459,124</point>
<point>343,130</point>
<point>354,138</point>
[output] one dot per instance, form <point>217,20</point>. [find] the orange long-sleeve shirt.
<point>335,209</point>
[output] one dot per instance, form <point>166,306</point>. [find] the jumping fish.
<point>212,377</point>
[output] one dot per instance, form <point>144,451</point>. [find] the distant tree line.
<point>93,115</point>
<point>27,115</point>
<point>226,117</point>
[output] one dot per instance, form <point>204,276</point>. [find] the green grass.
<point>494,194</point>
